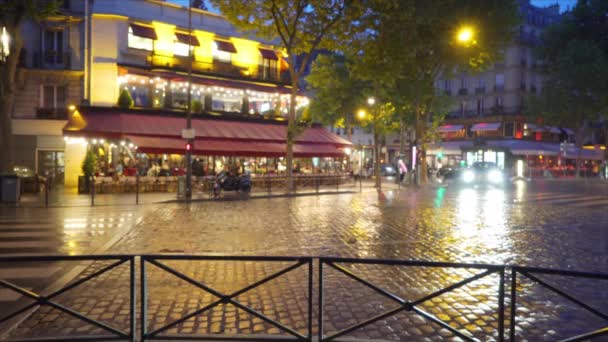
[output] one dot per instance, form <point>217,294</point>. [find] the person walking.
<point>402,170</point>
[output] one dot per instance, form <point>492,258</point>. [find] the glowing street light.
<point>371,101</point>
<point>361,114</point>
<point>465,35</point>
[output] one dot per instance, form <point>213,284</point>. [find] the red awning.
<point>268,54</point>
<point>183,38</point>
<point>143,31</point>
<point>225,46</point>
<point>481,127</point>
<point>162,134</point>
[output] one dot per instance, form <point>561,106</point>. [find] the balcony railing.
<point>480,90</point>
<point>499,87</point>
<point>50,59</point>
<point>463,91</point>
<point>219,68</point>
<point>52,113</point>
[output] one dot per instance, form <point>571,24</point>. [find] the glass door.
<point>51,164</point>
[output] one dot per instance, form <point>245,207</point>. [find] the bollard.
<point>360,184</point>
<point>92,191</point>
<point>137,188</point>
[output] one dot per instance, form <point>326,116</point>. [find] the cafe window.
<point>138,42</point>
<point>220,54</point>
<point>180,49</point>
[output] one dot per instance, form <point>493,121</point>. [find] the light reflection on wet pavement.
<point>515,225</point>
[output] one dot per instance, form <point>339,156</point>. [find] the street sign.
<point>188,133</point>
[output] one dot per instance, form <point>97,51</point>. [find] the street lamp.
<point>371,101</point>
<point>465,35</point>
<point>361,114</point>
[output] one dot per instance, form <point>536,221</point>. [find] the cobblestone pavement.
<point>526,225</point>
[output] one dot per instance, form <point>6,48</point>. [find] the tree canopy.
<point>574,52</point>
<point>300,27</point>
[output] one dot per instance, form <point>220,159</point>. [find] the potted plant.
<point>125,101</point>
<point>88,169</point>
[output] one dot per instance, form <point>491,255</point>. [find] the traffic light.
<point>439,155</point>
<point>188,147</point>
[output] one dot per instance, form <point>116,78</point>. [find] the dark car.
<point>483,173</point>
<point>387,170</point>
<point>448,173</point>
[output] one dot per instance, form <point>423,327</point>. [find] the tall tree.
<point>575,65</point>
<point>412,42</point>
<point>337,93</point>
<point>13,13</point>
<point>301,26</point>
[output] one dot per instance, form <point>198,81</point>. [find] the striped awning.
<point>481,127</point>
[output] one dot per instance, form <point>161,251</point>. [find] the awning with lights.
<point>268,54</point>
<point>183,38</point>
<point>223,45</point>
<point>483,127</point>
<point>143,31</point>
<point>450,128</point>
<point>162,134</point>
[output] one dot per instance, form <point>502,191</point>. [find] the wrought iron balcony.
<point>463,91</point>
<point>52,113</point>
<point>51,59</point>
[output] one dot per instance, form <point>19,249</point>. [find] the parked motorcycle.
<point>227,181</point>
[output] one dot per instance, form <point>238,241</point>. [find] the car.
<point>387,170</point>
<point>448,173</point>
<point>483,173</point>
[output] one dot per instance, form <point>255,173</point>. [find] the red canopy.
<point>162,134</point>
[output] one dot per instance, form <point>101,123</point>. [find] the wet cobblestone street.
<point>490,226</point>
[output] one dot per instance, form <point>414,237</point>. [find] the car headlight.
<point>495,176</point>
<point>468,176</point>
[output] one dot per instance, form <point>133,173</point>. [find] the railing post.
<point>143,298</point>
<point>133,299</point>
<point>320,315</point>
<point>310,289</point>
<point>268,184</point>
<point>137,188</point>
<point>513,304</point>
<point>46,192</point>
<point>360,183</point>
<point>501,305</point>
<point>92,191</point>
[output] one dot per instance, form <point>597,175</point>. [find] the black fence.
<point>313,329</point>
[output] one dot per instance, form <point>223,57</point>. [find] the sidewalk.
<point>70,198</point>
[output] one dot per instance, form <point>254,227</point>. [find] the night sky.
<point>563,4</point>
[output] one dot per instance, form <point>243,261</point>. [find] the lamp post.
<point>190,132</point>
<point>371,101</point>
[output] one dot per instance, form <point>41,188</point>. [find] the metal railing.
<point>304,332</point>
<point>47,300</point>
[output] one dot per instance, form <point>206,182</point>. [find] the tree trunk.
<point>291,128</point>
<point>377,159</point>
<point>579,145</point>
<point>401,137</point>
<point>7,98</point>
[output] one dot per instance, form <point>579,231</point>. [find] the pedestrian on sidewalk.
<point>402,170</point>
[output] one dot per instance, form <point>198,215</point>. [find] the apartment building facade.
<point>48,80</point>
<point>488,121</point>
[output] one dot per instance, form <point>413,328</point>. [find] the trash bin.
<point>10,188</point>
<point>181,187</point>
